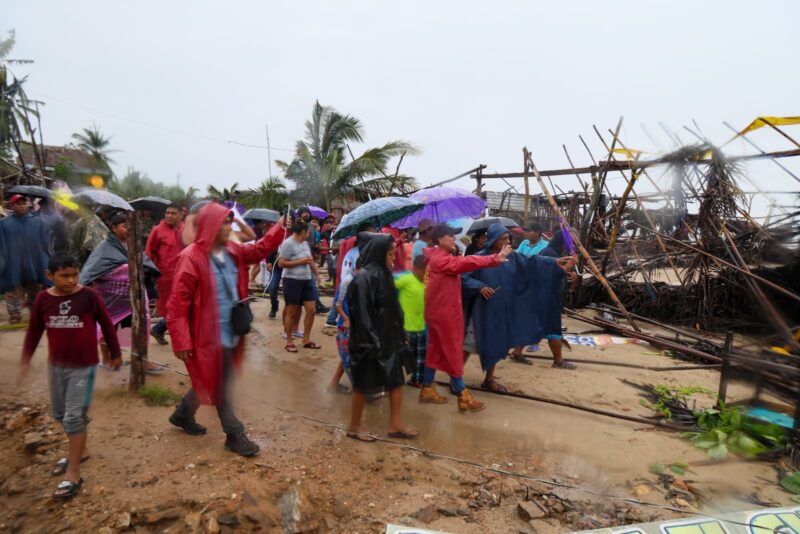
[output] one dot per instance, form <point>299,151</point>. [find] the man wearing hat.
<point>425,228</point>
<point>23,256</point>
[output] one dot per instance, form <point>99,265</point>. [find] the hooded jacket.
<point>377,342</point>
<point>192,309</point>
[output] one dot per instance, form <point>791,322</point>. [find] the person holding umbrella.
<point>24,255</point>
<point>163,245</point>
<point>304,215</point>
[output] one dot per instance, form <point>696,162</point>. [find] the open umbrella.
<point>30,190</point>
<point>443,204</point>
<point>378,212</point>
<point>104,198</point>
<point>262,214</point>
<point>150,203</point>
<point>486,222</point>
<point>316,212</point>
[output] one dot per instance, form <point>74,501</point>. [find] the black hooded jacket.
<point>377,342</point>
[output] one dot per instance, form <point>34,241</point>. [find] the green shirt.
<point>411,294</point>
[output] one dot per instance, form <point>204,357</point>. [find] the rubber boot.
<point>466,403</point>
<point>429,394</point>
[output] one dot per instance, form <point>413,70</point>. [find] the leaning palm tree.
<point>323,167</point>
<point>16,109</point>
<point>93,141</point>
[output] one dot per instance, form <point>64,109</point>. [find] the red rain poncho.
<point>163,246</point>
<point>192,310</point>
<point>444,315</point>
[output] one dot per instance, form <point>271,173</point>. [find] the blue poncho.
<point>516,315</point>
<point>23,251</point>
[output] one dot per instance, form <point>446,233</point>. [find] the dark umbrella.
<point>378,213</point>
<point>30,190</point>
<point>156,205</point>
<point>486,222</point>
<point>262,214</point>
<point>104,198</point>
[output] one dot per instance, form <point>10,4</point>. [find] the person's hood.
<point>494,232</point>
<point>374,252</point>
<point>362,239</point>
<point>209,221</point>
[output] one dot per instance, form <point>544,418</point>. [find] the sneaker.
<point>273,313</point>
<point>241,445</point>
<point>333,324</point>
<point>160,339</point>
<point>321,310</point>
<point>188,424</point>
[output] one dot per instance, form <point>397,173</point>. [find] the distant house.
<point>68,164</point>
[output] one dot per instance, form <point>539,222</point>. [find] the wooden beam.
<point>140,335</point>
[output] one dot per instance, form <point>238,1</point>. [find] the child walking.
<point>70,313</point>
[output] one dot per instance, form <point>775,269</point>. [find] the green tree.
<point>323,167</point>
<point>15,106</point>
<point>231,193</point>
<point>271,194</point>
<point>93,141</point>
<point>136,184</point>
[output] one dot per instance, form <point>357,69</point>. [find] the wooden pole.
<point>589,262</point>
<point>139,337</point>
<point>527,187</point>
<point>726,369</point>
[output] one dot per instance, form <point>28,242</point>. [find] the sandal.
<point>519,358</point>
<point>61,466</point>
<point>67,489</point>
<point>564,364</point>
<point>408,433</point>
<point>493,385</point>
<point>311,345</point>
<point>339,388</point>
<point>291,347</point>
<point>361,436</point>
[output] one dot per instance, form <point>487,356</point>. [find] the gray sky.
<point>468,82</point>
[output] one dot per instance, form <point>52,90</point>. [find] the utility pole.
<point>269,153</point>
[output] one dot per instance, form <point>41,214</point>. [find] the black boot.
<point>241,444</point>
<point>188,424</point>
<point>273,313</point>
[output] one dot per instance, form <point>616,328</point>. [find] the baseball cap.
<point>441,230</point>
<point>16,198</point>
<point>425,224</point>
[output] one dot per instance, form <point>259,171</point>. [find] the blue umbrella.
<point>378,213</point>
<point>443,204</point>
<point>261,214</point>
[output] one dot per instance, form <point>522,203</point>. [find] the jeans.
<point>274,282</point>
<point>316,291</point>
<point>190,403</point>
<point>331,268</point>
<point>160,328</point>
<point>333,315</point>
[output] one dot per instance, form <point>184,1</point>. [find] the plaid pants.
<point>17,297</point>
<point>418,343</point>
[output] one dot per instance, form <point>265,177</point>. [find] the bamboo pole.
<point>589,262</point>
<point>139,335</point>
<point>527,187</point>
<point>612,240</point>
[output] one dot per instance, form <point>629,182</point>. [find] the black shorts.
<point>297,291</point>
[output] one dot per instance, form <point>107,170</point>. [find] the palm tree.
<point>93,141</point>
<point>271,194</point>
<point>322,171</point>
<point>15,106</point>
<point>225,193</point>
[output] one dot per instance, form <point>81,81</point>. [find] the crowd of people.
<point>406,304</point>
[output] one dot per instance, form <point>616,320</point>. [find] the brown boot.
<point>466,403</point>
<point>429,394</point>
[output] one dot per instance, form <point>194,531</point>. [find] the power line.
<point>159,127</point>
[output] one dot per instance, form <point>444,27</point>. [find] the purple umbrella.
<point>443,204</point>
<point>316,212</point>
<point>569,244</point>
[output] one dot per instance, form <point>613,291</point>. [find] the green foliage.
<point>678,468</point>
<point>225,193</point>
<point>93,141</point>
<point>668,394</point>
<point>136,184</point>
<point>15,106</point>
<point>791,483</point>
<point>323,168</point>
<point>271,194</point>
<point>157,395</point>
<point>727,430</point>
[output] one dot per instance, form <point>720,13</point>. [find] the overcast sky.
<point>468,82</point>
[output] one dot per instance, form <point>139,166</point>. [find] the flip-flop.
<point>311,345</point>
<point>519,358</point>
<point>408,433</point>
<point>361,436</point>
<point>67,489</point>
<point>564,364</point>
<point>61,466</point>
<point>291,347</point>
<point>340,389</point>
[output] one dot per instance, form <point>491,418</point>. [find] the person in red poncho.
<point>163,245</point>
<point>211,275</point>
<point>444,315</point>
